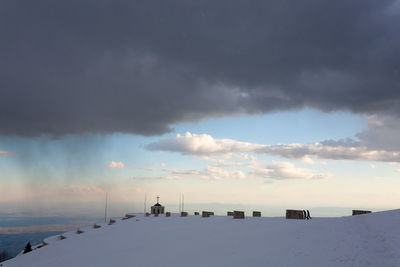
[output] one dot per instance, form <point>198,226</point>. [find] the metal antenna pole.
<point>105,210</point>
<point>145,200</point>
<point>183,202</point>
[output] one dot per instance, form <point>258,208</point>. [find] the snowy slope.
<point>364,240</point>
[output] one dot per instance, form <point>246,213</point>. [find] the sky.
<point>265,105</point>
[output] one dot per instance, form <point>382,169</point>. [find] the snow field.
<point>363,240</point>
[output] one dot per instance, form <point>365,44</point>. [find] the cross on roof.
<point>157,199</point>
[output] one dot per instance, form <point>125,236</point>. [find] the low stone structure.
<point>229,213</point>
<point>359,212</point>
<point>96,226</point>
<point>184,214</point>
<point>41,245</point>
<point>206,214</point>
<point>147,214</point>
<point>79,231</point>
<point>62,237</point>
<point>295,214</point>
<point>256,213</point>
<point>111,222</point>
<point>238,214</point>
<point>167,214</point>
<point>128,216</point>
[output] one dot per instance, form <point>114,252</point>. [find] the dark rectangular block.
<point>238,214</point>
<point>256,213</point>
<point>205,214</point>
<point>295,214</point>
<point>359,212</point>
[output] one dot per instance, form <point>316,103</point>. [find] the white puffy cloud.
<point>205,145</point>
<point>308,160</point>
<point>5,153</point>
<point>115,165</point>
<point>202,145</point>
<point>286,170</point>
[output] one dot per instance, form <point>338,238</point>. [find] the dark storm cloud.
<point>140,66</point>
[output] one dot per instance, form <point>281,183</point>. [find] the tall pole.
<point>179,202</point>
<point>105,210</point>
<point>145,200</point>
<point>183,202</point>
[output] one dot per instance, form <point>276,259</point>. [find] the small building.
<point>157,208</point>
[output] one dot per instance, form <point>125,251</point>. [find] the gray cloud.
<point>141,66</point>
<point>382,133</point>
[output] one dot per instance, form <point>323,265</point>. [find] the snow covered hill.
<point>363,240</point>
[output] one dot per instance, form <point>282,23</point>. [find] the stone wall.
<point>206,214</point>
<point>256,213</point>
<point>295,214</point>
<point>238,214</point>
<point>359,212</point>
